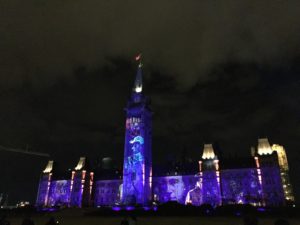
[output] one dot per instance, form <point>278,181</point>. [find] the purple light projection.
<point>134,163</point>
<point>137,164</point>
<point>240,186</point>
<point>43,191</point>
<point>210,188</point>
<point>175,188</point>
<point>59,193</point>
<point>257,186</point>
<point>77,190</point>
<point>272,186</point>
<point>108,192</point>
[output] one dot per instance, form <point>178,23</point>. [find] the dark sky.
<point>225,72</point>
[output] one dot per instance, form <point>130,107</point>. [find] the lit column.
<point>71,186</point>
<point>48,188</point>
<point>259,179</point>
<point>216,162</point>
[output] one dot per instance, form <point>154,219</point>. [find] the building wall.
<point>59,194</point>
<point>173,188</point>
<point>43,190</point>
<point>107,192</point>
<point>237,186</point>
<point>271,182</point>
<point>284,171</point>
<point>137,154</point>
<point>272,186</point>
<point>211,188</point>
<point>77,189</point>
<point>240,186</point>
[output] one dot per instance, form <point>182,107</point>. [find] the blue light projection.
<point>175,188</point>
<point>136,147</point>
<point>108,192</point>
<point>134,163</point>
<point>260,186</point>
<point>211,193</point>
<point>238,186</point>
<point>241,186</point>
<point>272,186</point>
<point>77,190</point>
<point>43,190</point>
<point>59,194</point>
<point>187,190</point>
<point>137,166</point>
<point>194,196</point>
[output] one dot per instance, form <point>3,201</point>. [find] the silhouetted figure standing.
<point>27,221</point>
<point>52,221</point>
<point>125,221</point>
<point>132,220</point>
<point>4,221</point>
<point>250,220</point>
<point>281,222</point>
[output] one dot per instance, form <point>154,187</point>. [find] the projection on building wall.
<point>43,191</point>
<point>241,186</point>
<point>77,190</point>
<point>272,186</point>
<point>182,189</point>
<point>108,192</point>
<point>134,164</point>
<point>264,184</point>
<point>59,193</point>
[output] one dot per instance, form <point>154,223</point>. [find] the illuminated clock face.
<point>138,89</point>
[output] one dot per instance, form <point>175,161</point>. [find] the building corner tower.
<point>210,177</point>
<point>137,166</point>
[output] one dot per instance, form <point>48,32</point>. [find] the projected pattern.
<point>211,193</point>
<point>241,186</point>
<point>134,162</point>
<point>108,192</point>
<point>272,186</point>
<point>43,191</point>
<point>59,193</point>
<point>77,190</point>
<point>174,188</point>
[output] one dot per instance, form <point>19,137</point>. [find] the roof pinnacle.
<point>138,84</point>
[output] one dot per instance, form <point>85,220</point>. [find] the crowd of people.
<point>28,221</point>
<point>131,220</point>
<point>252,220</point>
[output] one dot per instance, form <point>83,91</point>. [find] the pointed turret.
<point>80,164</point>
<point>263,147</point>
<point>208,152</point>
<point>209,176</point>
<point>49,167</point>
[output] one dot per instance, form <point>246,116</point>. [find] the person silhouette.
<point>194,195</point>
<point>52,221</point>
<point>281,222</point>
<point>132,220</point>
<point>125,221</point>
<point>27,221</point>
<point>250,220</point>
<point>4,221</point>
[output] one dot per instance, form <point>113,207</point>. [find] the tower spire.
<point>138,84</point>
<point>137,166</point>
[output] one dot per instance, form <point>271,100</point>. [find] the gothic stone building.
<point>264,182</point>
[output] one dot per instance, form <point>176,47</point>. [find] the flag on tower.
<point>138,57</point>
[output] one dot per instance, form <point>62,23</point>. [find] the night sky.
<point>222,72</point>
